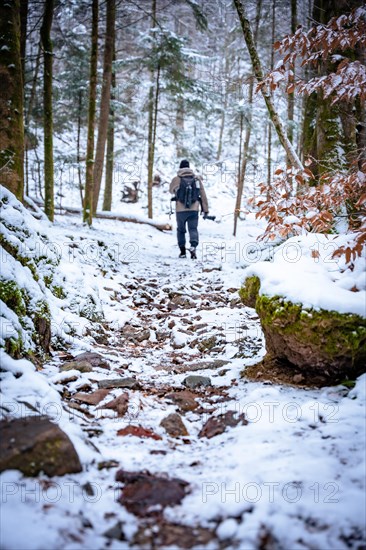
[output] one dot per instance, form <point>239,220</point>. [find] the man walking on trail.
<point>189,194</point>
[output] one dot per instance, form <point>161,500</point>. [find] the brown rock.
<point>127,382</point>
<point>139,431</point>
<point>95,359</point>
<point>179,300</point>
<point>172,535</point>
<point>185,400</point>
<point>120,404</point>
<point>173,425</point>
<point>298,378</point>
<point>82,366</point>
<point>143,492</point>
<point>33,445</point>
<point>91,398</point>
<point>217,424</point>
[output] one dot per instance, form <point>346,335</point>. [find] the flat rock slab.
<point>179,300</point>
<point>129,382</point>
<point>172,535</point>
<point>191,367</point>
<point>93,398</point>
<point>115,532</point>
<point>139,431</point>
<point>185,400</point>
<point>95,359</point>
<point>174,425</point>
<point>144,493</point>
<point>216,425</point>
<point>81,366</point>
<point>33,445</point>
<point>119,404</point>
<point>194,381</point>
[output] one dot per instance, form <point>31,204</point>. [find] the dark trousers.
<point>190,218</point>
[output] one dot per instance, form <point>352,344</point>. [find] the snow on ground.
<point>293,478</point>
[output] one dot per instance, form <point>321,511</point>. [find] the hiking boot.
<point>182,252</point>
<point>192,250</point>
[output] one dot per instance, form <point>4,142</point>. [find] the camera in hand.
<point>207,217</point>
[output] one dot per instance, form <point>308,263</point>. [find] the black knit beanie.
<point>184,164</point>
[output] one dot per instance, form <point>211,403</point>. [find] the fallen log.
<point>112,216</point>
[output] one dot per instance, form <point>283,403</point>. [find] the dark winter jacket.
<point>175,184</point>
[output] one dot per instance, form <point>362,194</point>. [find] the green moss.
<point>328,337</point>
<point>333,333</point>
<point>249,292</point>
<point>24,260</point>
<point>12,296</point>
<point>14,347</point>
<point>42,310</point>
<point>59,292</point>
<point>48,280</point>
<point>207,344</point>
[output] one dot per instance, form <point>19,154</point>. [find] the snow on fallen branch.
<point>113,216</point>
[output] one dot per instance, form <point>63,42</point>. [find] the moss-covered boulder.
<point>318,340</point>
<point>33,445</point>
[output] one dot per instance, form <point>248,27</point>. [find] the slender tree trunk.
<point>244,156</point>
<point>88,196</point>
<point>156,105</point>
<point>223,114</point>
<point>23,33</point>
<point>32,96</point>
<point>179,113</point>
<point>107,201</point>
<point>271,63</point>
<point>11,101</point>
<point>150,138</point>
<point>240,145</point>
<point>179,124</point>
<point>150,152</point>
<point>291,96</point>
<point>78,156</point>
<point>47,108</point>
<point>105,101</point>
<point>257,67</point>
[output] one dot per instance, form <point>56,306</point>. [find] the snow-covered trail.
<point>289,474</point>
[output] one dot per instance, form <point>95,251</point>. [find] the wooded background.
<point>92,90</point>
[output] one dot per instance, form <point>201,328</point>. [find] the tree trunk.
<point>329,130</point>
<point>244,156</point>
<point>179,113</point>
<point>179,125</point>
<point>23,33</point>
<point>150,137</point>
<point>271,64</point>
<point>291,96</point>
<point>47,109</point>
<point>88,196</point>
<point>11,100</point>
<point>223,114</point>
<point>105,101</point>
<point>29,107</point>
<point>107,201</point>
<point>78,156</point>
<point>257,68</point>
<point>269,154</point>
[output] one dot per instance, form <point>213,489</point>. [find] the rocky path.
<point>174,448</point>
<point>151,397</point>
